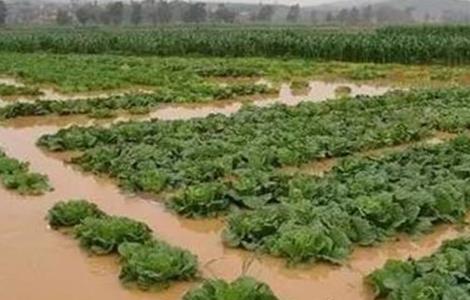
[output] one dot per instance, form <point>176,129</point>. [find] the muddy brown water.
<point>319,91</point>
<point>50,93</point>
<point>39,263</point>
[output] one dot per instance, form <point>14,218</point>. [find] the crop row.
<point>11,90</point>
<point>16,176</point>
<point>133,103</point>
<point>146,261</point>
<point>82,73</point>
<point>444,275</point>
<point>362,201</point>
<point>369,46</point>
<point>156,155</point>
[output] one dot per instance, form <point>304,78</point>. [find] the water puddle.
<point>49,93</point>
<point>319,91</point>
<point>53,267</point>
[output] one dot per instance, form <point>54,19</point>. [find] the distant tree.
<point>354,16</point>
<point>3,12</point>
<point>329,17</point>
<point>313,17</point>
<point>114,13</point>
<point>343,16</point>
<point>367,14</point>
<point>223,14</point>
<point>164,13</point>
<point>293,14</point>
<point>63,17</point>
<point>136,13</point>
<point>390,15</point>
<point>196,13</point>
<point>85,14</point>
<point>266,13</point>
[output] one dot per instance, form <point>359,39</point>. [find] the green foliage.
<point>103,113</point>
<point>104,108</point>
<point>201,200</point>
<point>145,261</point>
<point>155,155</point>
<point>72,213</point>
<point>105,235</point>
<point>155,264</point>
<point>443,275</point>
<point>11,90</point>
<point>15,175</point>
<point>244,288</point>
<point>416,45</point>
<point>361,201</point>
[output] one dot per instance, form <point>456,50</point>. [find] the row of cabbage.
<point>359,46</point>
<point>134,103</point>
<point>146,261</point>
<point>362,201</point>
<point>158,155</point>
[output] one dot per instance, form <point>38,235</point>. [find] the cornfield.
<point>446,44</point>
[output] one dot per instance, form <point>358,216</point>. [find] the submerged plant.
<point>442,276</point>
<point>104,235</point>
<point>154,264</point>
<point>244,288</point>
<point>15,175</point>
<point>72,213</point>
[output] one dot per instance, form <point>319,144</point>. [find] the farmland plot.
<point>230,188</point>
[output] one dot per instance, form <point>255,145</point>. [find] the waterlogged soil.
<point>319,91</point>
<point>50,93</point>
<point>39,263</point>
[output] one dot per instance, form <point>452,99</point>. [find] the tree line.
<point>139,12</point>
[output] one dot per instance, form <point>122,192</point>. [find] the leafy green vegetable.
<point>105,107</point>
<point>244,288</point>
<point>104,235</point>
<point>15,175</point>
<point>11,90</point>
<point>442,276</point>
<point>155,264</point>
<point>72,213</point>
<point>361,201</point>
<point>200,200</point>
<point>148,262</point>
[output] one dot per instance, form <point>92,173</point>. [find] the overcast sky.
<point>301,2</point>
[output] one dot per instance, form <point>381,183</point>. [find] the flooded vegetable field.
<point>132,176</point>
<point>30,249</point>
